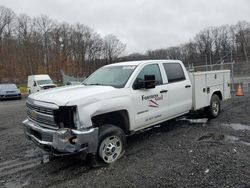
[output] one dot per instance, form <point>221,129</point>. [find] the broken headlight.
<point>65,117</point>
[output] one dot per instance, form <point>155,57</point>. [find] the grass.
<point>23,89</point>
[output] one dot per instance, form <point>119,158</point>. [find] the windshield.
<point>8,86</point>
<point>116,76</point>
<point>43,82</point>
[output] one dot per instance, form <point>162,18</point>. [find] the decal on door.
<point>152,100</point>
<point>153,117</point>
<point>152,103</point>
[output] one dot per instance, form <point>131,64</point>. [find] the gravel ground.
<point>180,153</point>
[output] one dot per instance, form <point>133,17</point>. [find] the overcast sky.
<point>141,24</point>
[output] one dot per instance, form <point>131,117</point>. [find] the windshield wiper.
<point>96,84</point>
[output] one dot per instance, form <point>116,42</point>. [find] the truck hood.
<point>47,85</point>
<point>63,95</point>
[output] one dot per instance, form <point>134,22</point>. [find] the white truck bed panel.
<point>227,91</point>
<point>206,83</point>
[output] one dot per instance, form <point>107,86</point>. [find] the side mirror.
<point>34,83</point>
<point>149,81</point>
<point>139,84</point>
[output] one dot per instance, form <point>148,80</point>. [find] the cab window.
<point>150,70</point>
<point>174,72</point>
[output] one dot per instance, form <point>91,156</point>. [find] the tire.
<point>112,143</point>
<point>213,110</point>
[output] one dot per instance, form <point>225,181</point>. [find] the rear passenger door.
<point>179,89</point>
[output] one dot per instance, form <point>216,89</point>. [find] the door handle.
<point>187,86</point>
<point>163,91</point>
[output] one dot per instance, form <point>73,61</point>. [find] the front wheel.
<point>214,109</point>
<point>112,142</point>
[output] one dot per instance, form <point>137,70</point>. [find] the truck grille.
<point>43,116</point>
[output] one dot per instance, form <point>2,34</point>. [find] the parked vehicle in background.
<point>118,100</point>
<point>39,82</point>
<point>9,91</point>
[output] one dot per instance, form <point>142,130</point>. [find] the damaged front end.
<point>56,129</point>
<point>73,141</point>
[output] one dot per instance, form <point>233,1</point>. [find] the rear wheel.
<point>214,109</point>
<point>112,142</point>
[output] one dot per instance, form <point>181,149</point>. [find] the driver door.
<point>149,104</point>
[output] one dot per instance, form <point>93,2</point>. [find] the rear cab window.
<point>174,72</point>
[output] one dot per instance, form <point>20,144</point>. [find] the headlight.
<point>76,119</point>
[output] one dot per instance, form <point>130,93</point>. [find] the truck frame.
<point>117,100</point>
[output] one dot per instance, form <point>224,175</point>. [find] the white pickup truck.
<point>118,100</point>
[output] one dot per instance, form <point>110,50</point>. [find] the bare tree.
<point>94,52</point>
<point>190,53</point>
<point>80,38</point>
<point>221,38</point>
<point>243,37</point>
<point>24,30</point>
<point>112,48</point>
<point>205,44</point>
<point>41,45</point>
<point>45,26</point>
<point>6,17</point>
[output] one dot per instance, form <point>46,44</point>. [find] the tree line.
<point>212,45</point>
<point>42,45</point>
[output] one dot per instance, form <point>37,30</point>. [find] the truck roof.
<point>136,63</point>
<point>39,76</point>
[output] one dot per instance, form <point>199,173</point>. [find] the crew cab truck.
<point>118,100</point>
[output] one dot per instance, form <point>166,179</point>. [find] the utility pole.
<point>231,55</point>
<point>206,61</point>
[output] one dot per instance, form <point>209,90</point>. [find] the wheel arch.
<point>218,93</point>
<point>210,110</point>
<point>118,118</point>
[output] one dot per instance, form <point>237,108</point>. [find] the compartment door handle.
<point>163,91</point>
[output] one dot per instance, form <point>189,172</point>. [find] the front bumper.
<point>10,96</point>
<point>55,142</point>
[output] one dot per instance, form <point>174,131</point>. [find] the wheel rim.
<point>110,149</point>
<point>215,107</point>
